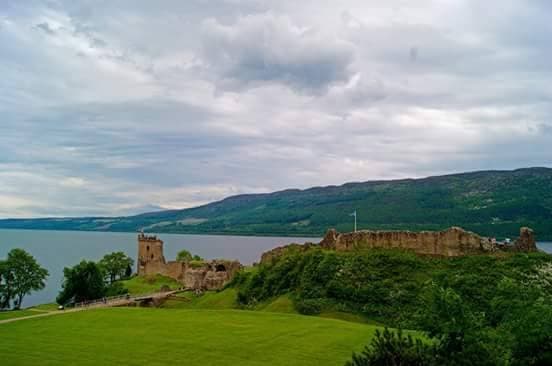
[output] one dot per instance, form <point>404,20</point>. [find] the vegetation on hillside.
<point>492,203</point>
<point>478,309</point>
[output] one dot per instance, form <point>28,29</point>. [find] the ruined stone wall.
<point>526,241</point>
<point>452,242</point>
<point>150,255</point>
<point>210,275</point>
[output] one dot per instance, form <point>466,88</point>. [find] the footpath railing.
<point>105,301</point>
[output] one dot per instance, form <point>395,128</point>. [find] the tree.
<point>128,271</point>
<point>6,282</point>
<point>461,337</point>
<point>20,274</point>
<point>85,281</point>
<point>393,348</point>
<point>532,330</point>
<point>115,265</point>
<point>184,256</point>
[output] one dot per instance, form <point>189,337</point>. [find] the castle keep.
<point>203,275</point>
<point>453,242</point>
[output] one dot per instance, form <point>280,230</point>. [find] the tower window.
<point>147,248</point>
<point>152,256</point>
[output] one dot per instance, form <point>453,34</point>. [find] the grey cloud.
<point>269,48</point>
<point>45,27</point>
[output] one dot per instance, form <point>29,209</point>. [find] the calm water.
<point>55,250</point>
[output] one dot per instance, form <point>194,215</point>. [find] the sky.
<point>112,108</point>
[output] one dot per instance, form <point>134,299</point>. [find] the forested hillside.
<point>494,203</point>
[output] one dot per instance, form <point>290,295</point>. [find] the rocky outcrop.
<point>453,242</point>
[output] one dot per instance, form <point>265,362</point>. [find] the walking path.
<point>122,300</point>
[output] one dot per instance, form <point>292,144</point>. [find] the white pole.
<point>355,214</point>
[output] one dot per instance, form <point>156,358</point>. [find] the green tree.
<point>389,348</point>
<point>20,274</point>
<point>532,330</point>
<point>6,282</point>
<point>128,271</point>
<point>461,338</point>
<point>85,281</point>
<point>184,256</point>
<point>115,265</point>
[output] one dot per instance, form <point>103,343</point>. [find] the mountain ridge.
<point>490,202</point>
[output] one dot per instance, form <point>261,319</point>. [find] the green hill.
<point>133,336</point>
<point>494,203</point>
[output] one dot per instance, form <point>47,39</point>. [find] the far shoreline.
<point>245,235</point>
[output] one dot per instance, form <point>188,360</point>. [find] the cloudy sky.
<point>118,107</point>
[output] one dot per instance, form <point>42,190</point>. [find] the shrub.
<point>390,348</point>
<point>309,306</point>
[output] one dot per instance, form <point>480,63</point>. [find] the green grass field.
<point>145,336</point>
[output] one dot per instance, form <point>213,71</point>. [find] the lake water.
<point>55,250</point>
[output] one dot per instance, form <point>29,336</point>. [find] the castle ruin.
<point>196,275</point>
<point>453,242</point>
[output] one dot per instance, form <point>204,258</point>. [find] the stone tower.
<point>150,254</point>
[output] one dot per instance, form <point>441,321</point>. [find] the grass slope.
<point>134,336</point>
<point>147,284</point>
<point>493,203</point>
<point>12,314</point>
<point>209,300</point>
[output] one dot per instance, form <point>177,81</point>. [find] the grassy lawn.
<point>147,284</point>
<point>45,307</point>
<point>15,314</point>
<point>137,336</point>
<point>281,304</point>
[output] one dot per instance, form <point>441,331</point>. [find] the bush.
<point>309,306</point>
<point>394,349</point>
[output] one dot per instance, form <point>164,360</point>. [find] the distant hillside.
<point>494,203</point>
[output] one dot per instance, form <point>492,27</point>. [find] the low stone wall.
<point>453,242</point>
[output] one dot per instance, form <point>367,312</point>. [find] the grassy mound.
<point>384,286</point>
<point>134,336</point>
<point>148,284</point>
<point>210,300</point>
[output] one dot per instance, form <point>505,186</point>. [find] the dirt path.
<point>116,301</point>
<point>42,314</point>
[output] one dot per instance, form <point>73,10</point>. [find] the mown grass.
<point>45,307</point>
<point>227,299</point>
<point>135,336</point>
<point>280,304</point>
<point>11,314</point>
<point>146,284</point>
